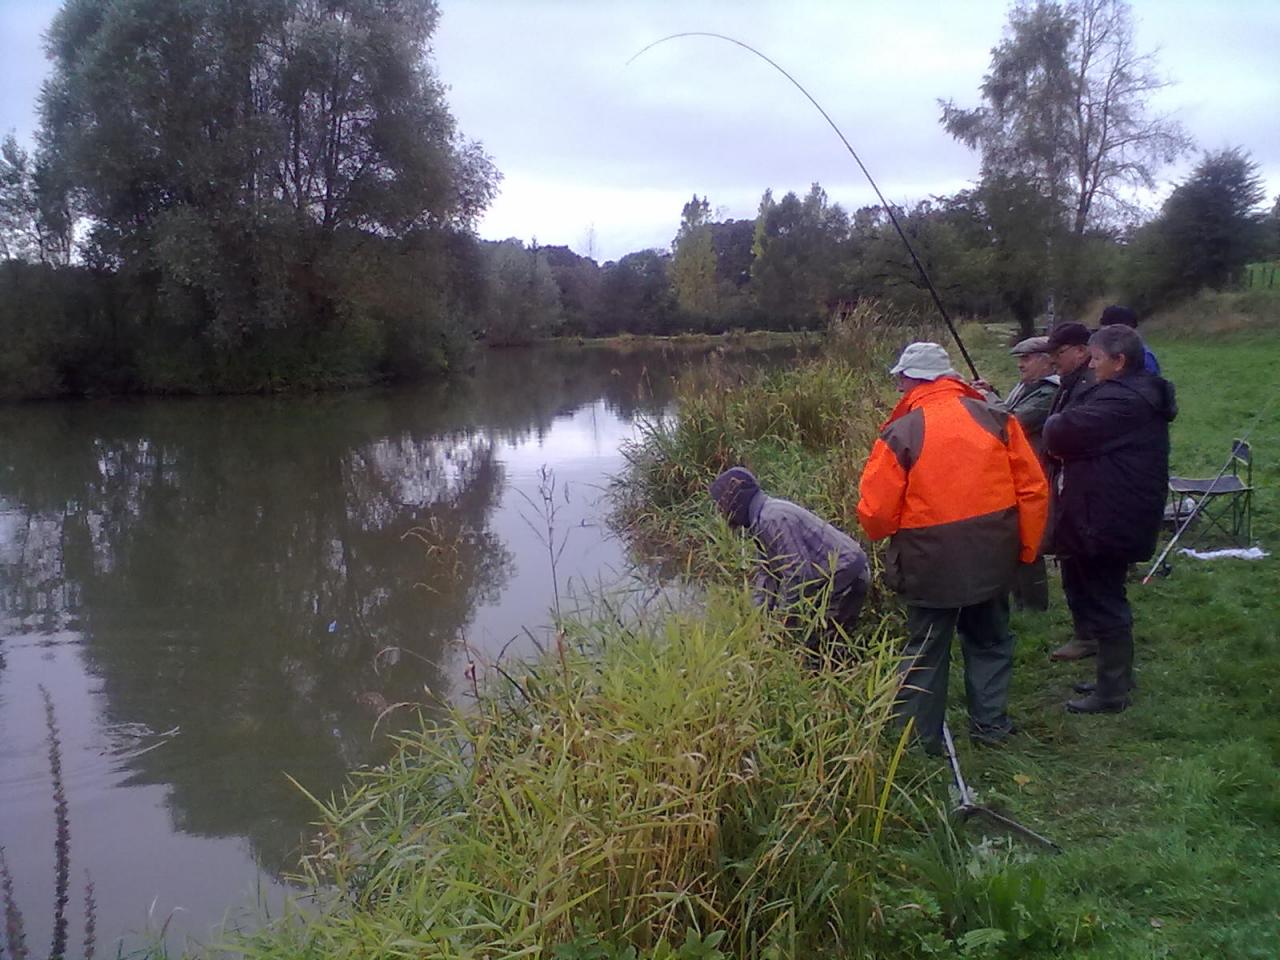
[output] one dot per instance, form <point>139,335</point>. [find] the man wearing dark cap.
<point>1068,346</point>
<point>1123,316</point>
<point>801,556</point>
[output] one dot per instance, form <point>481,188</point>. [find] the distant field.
<point>1262,276</point>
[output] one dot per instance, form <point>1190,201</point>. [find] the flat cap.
<point>1030,345</point>
<point>1068,335</point>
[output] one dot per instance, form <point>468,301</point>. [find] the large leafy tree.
<point>579,279</point>
<point>693,262</point>
<point>1066,105</point>
<point>244,166</point>
<point>1066,111</point>
<point>636,294</point>
<point>799,245</point>
<point>330,108</point>
<point>523,300</point>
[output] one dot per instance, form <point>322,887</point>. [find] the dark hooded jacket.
<point>1113,445</point>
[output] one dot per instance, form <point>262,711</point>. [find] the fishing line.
<point>884,204</point>
<point>1195,510</point>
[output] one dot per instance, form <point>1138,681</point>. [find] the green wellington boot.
<point>1115,676</point>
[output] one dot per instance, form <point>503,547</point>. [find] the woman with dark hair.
<point>1113,446</point>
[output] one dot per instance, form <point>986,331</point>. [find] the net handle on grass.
<point>924,275</point>
<point>969,807</point>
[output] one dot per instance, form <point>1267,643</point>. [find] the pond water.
<point>215,593</point>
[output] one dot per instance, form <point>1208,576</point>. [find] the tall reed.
<point>650,779</point>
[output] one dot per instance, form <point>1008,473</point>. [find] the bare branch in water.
<point>62,838</point>
<point>14,936</point>
<point>90,917</point>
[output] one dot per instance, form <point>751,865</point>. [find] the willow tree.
<point>1066,103</point>
<point>1066,112</point>
<point>231,156</point>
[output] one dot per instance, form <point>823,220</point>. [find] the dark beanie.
<point>1115,314</point>
<point>733,492</point>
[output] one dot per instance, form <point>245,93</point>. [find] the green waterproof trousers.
<point>987,646</point>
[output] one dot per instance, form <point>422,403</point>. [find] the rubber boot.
<point>1115,676</point>
<point>1088,686</point>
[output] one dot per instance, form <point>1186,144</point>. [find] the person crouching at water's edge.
<point>954,483</point>
<point>801,555</point>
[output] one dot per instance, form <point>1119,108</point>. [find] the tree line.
<point>274,193</point>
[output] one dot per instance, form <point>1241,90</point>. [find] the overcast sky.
<point>597,153</point>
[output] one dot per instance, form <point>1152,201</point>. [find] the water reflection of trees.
<point>235,566</point>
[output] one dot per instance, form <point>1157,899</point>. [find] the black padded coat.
<point>1113,446</point>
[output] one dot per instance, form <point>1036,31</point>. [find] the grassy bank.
<point>682,787</point>
<point>1169,813</point>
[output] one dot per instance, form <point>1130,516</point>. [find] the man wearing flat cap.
<point>1029,401</point>
<point>1032,396</point>
<point>955,485</point>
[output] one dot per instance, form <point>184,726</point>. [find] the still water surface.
<point>217,592</point>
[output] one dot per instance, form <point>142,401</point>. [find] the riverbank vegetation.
<point>674,787</point>
<point>679,785</point>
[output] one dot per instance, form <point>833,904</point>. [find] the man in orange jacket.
<point>953,481</point>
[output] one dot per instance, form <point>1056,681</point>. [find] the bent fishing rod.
<point>884,204</point>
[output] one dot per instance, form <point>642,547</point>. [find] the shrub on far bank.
<point>367,310</point>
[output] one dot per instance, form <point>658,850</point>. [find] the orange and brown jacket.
<point>957,486</point>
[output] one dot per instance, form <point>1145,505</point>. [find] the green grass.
<point>1170,812</point>
<point>682,788</point>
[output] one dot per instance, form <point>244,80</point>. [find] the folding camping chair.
<point>1226,501</point>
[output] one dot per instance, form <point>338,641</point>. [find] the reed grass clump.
<point>805,431</point>
<point>642,787</point>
